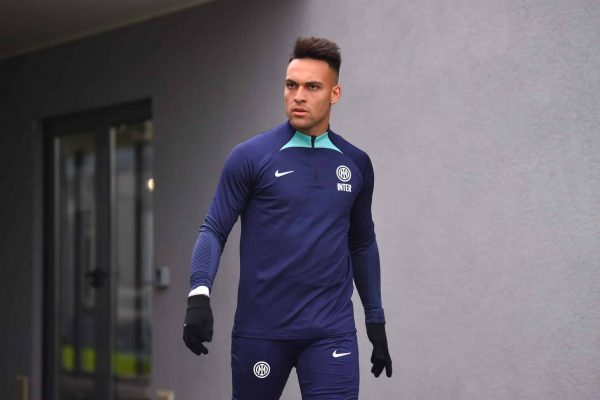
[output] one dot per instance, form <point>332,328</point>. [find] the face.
<point>310,90</point>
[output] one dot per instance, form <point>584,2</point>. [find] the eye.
<point>313,86</point>
<point>290,85</point>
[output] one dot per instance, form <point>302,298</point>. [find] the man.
<point>304,194</point>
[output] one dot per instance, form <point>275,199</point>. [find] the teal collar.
<point>301,140</point>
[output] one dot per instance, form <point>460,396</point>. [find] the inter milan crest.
<point>262,369</point>
<point>343,174</point>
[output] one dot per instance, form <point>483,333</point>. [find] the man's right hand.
<point>198,324</point>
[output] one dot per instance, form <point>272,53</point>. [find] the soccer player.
<point>304,194</point>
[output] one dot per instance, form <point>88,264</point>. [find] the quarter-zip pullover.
<point>305,206</point>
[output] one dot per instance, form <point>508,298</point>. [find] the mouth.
<point>299,111</point>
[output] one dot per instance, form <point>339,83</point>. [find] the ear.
<point>336,93</point>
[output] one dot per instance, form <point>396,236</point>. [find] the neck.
<point>314,131</point>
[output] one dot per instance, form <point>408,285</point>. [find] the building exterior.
<point>482,123</point>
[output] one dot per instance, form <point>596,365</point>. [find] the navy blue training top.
<point>305,206</point>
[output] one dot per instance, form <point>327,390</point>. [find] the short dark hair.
<point>318,49</point>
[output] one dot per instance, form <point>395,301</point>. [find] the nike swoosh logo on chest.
<point>279,174</point>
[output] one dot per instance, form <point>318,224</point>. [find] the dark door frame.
<point>98,121</point>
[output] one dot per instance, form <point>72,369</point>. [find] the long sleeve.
<point>227,204</point>
<point>364,251</point>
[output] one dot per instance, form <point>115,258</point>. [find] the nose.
<point>299,95</point>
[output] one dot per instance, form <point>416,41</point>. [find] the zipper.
<point>312,144</point>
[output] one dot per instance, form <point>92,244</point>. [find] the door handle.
<point>96,278</point>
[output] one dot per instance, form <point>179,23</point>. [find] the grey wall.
<point>481,118</point>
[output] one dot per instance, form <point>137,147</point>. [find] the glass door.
<point>98,249</point>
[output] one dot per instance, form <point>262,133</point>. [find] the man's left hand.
<point>381,356</point>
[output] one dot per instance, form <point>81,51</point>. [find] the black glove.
<point>381,355</point>
<point>198,324</point>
